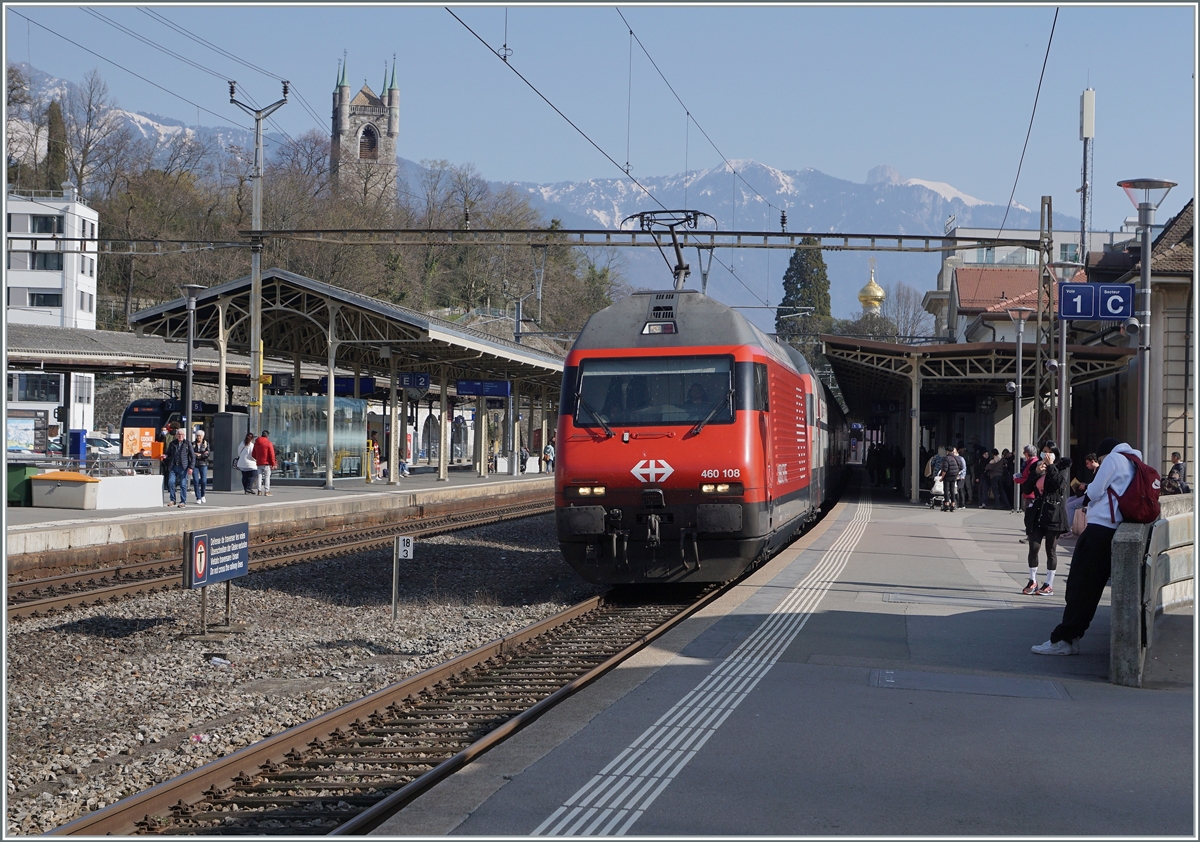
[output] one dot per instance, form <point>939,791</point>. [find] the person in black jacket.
<point>180,461</point>
<point>1049,517</point>
<point>951,473</point>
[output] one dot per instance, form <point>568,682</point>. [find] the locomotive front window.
<point>656,390</point>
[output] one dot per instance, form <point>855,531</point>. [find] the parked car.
<point>100,446</point>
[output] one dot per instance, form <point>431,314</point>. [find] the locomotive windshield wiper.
<point>696,430</point>
<point>607,429</point>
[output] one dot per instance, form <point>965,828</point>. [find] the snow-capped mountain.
<point>44,88</point>
<point>743,195</point>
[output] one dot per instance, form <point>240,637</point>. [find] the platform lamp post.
<point>1146,194</point>
<point>1018,315</point>
<point>191,291</point>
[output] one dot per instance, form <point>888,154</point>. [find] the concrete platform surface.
<point>32,530</point>
<point>875,679</point>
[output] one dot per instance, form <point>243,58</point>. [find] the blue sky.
<point>942,93</point>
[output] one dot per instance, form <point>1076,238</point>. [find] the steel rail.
<point>139,812</point>
<point>264,556</point>
<point>374,816</point>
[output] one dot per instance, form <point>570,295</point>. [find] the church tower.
<point>362,151</point>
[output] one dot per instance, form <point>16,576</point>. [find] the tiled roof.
<point>991,288</point>
<point>1174,250</point>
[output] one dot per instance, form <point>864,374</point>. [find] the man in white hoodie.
<point>1091,563</point>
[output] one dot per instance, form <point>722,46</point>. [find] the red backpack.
<point>1139,502</point>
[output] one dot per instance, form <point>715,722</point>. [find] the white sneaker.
<point>1062,647</point>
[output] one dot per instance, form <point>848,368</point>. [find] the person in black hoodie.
<point>1048,517</point>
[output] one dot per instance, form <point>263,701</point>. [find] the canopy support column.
<point>403,443</point>
<point>329,390</point>
<point>514,431</point>
<point>443,429</point>
<point>393,458</point>
<point>914,430</point>
<point>481,432</point>
<point>222,354</point>
<point>545,424</point>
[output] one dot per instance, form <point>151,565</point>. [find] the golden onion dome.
<point>872,295</point>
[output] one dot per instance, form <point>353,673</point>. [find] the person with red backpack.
<point>1121,470</point>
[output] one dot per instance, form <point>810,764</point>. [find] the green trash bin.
<point>20,489</point>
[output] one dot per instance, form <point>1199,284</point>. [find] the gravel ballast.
<point>105,702</point>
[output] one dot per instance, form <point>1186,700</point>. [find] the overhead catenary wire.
<point>234,57</point>
<point>1028,132</point>
<point>592,142</point>
<point>127,70</point>
<point>678,99</point>
<point>557,110</point>
<point>185,60</point>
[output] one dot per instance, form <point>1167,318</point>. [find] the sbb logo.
<point>652,470</point>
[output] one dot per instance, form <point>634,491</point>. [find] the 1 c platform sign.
<point>216,555</point>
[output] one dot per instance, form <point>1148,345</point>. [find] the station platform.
<point>874,679</point>
<point>38,537</point>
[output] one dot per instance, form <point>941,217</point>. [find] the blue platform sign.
<point>343,387</point>
<point>486,388</point>
<point>1116,302</point>
<point>216,554</point>
<point>1095,302</point>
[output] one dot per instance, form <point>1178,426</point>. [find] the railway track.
<point>350,769</point>
<point>40,597</point>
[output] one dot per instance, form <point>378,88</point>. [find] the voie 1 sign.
<point>216,555</point>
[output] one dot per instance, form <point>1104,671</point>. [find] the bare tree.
<point>26,126</point>
<point>93,126</point>
<point>903,307</point>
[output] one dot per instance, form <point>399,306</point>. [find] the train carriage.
<point>691,445</point>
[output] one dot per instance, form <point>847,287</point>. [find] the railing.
<point>1146,558</point>
<point>94,465</point>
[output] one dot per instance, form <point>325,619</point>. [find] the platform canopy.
<point>301,316</point>
<point>924,377</point>
<point>867,370</point>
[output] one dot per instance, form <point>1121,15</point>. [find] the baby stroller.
<point>937,494</point>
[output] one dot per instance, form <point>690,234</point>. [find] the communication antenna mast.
<point>1087,131</point>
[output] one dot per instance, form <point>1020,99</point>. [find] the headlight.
<point>585,490</point>
<point>721,488</point>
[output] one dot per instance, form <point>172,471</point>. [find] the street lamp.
<point>1018,315</point>
<point>1146,194</point>
<point>191,291</point>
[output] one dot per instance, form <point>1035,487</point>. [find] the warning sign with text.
<point>216,554</point>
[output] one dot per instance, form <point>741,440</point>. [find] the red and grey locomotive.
<point>690,444</point>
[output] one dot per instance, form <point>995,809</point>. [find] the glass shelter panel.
<point>663,390</point>
<point>297,428</point>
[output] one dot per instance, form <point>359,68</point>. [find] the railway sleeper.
<point>367,760</point>
<point>352,777</point>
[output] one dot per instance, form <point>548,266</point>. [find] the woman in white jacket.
<point>1091,563</point>
<point>246,464</point>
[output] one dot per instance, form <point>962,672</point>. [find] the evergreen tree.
<point>56,148</point>
<point>805,290</point>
